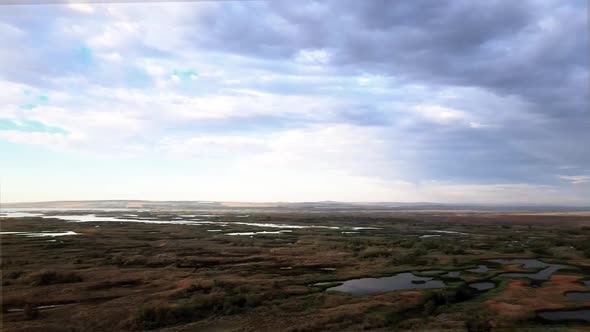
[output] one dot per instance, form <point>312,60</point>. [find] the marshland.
<point>293,270</point>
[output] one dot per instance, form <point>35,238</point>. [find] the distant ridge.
<point>313,206</point>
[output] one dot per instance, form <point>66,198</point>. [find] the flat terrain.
<point>272,271</point>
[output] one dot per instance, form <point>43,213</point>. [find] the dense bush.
<point>478,323</point>
<point>511,249</point>
<point>413,257</point>
<point>197,289</point>
<point>409,243</point>
<point>374,252</point>
<point>452,250</point>
<point>13,275</point>
<point>539,248</point>
<point>197,302</point>
<point>431,244</point>
<point>53,277</point>
<point>432,300</point>
<point>30,311</point>
<point>154,316</point>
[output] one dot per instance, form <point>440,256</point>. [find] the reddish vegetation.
<point>519,301</point>
<point>579,262</point>
<point>411,298</point>
<point>514,268</point>
<point>87,231</point>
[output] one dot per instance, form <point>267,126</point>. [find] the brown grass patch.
<point>87,231</point>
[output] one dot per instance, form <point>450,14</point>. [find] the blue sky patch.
<point>29,126</point>
<point>185,74</point>
<point>27,106</point>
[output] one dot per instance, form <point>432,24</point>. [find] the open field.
<point>271,271</point>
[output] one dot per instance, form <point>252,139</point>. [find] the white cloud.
<point>509,193</point>
<point>111,56</point>
<point>474,124</point>
<point>11,96</point>
<point>118,35</point>
<point>236,104</point>
<point>313,57</point>
<point>81,7</point>
<point>576,179</point>
<point>368,80</point>
<point>287,185</point>
<point>212,146</point>
<point>440,114</point>
<point>55,141</point>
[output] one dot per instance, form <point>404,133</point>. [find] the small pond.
<point>480,269</point>
<point>94,218</point>
<point>40,234</point>
<point>261,232</point>
<point>453,274</point>
<point>19,214</point>
<point>566,315</point>
<point>402,281</point>
<point>182,219</point>
<point>544,274</point>
<point>578,296</point>
<point>481,286</point>
<point>525,263</point>
<point>445,232</point>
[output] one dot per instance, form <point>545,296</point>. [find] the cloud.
<point>55,140</point>
<point>576,179</point>
<point>440,114</point>
<point>428,98</point>
<point>81,7</point>
<point>28,126</point>
<point>211,146</point>
<point>313,57</point>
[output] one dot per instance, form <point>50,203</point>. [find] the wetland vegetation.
<point>293,270</point>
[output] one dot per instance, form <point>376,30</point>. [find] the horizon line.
<point>531,204</point>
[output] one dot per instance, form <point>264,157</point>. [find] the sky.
<point>457,101</point>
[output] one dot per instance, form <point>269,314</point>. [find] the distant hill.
<point>310,206</point>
